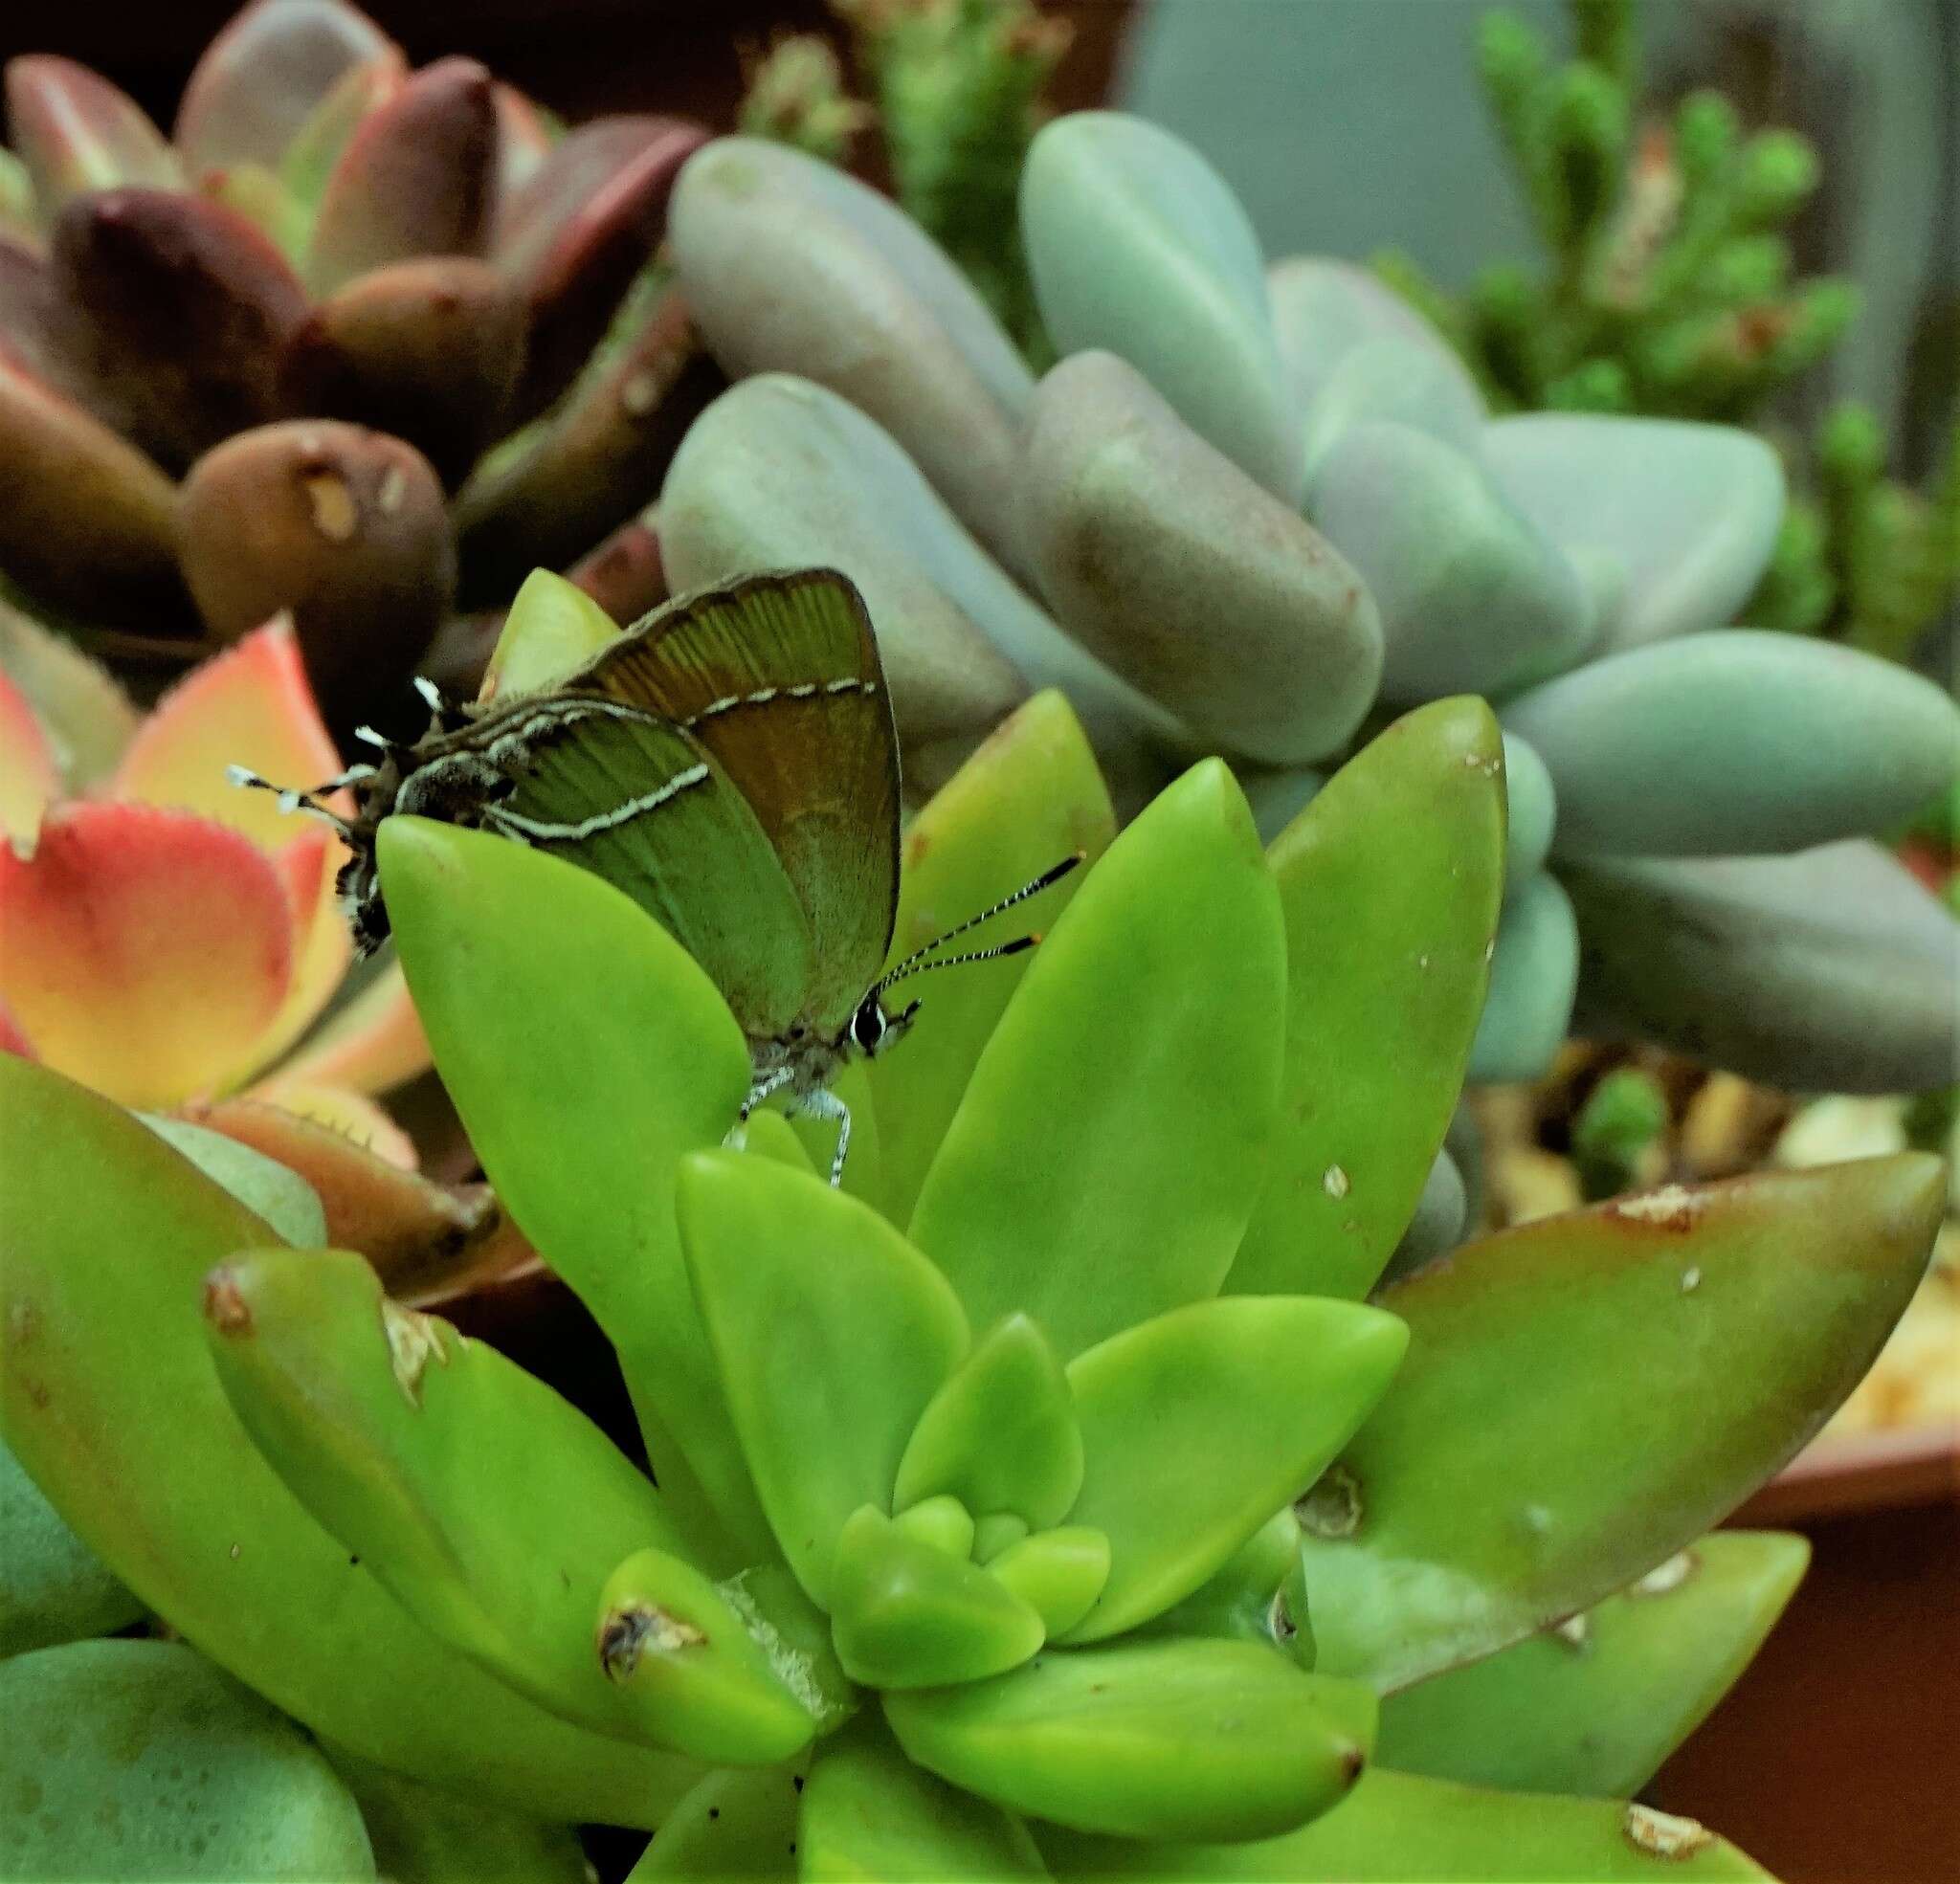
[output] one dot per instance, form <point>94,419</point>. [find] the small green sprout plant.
<point>1060,1497</point>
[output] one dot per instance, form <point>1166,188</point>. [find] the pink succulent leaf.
<point>142,952</point>
<point>87,522</point>
<point>355,1117</point>
<point>249,707</point>
<point>87,716</point>
<point>427,349</point>
<point>259,195</point>
<point>187,308</point>
<point>76,133</point>
<point>623,572</point>
<point>577,235</point>
<point>30,767</point>
<point>374,1043</point>
<point>416,179</point>
<point>264,75</point>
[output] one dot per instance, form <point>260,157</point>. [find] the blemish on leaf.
<point>1668,1576</point>
<point>640,394</point>
<point>225,1306</point>
<point>626,1633</point>
<point>1663,1835</point>
<point>1576,1631</point>
<point>1334,1181</point>
<point>233,1552</point>
<point>332,502</point>
<point>413,1342</point>
<point>394,487</point>
<point>1673,1206</point>
<point>23,1323</point>
<point>1331,1506</point>
<point>1691,1279</point>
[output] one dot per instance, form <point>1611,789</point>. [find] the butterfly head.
<point>872,1028</point>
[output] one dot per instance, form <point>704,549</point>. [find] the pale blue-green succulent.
<point>1250,509</point>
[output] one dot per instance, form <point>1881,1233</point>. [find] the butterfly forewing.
<point>647,807</point>
<point>778,679</point>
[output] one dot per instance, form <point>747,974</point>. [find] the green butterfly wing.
<point>647,807</point>
<point>778,677</point>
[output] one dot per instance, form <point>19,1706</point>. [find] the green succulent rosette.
<point>1048,1500</point>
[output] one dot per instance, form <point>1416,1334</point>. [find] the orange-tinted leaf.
<point>142,951</point>
<point>250,706</point>
<point>310,864</point>
<point>350,1114</point>
<point>374,1042</point>
<point>30,775</point>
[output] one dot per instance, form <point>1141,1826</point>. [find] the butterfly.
<point>731,763</point>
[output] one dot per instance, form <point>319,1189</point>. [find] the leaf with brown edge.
<point>1594,1391</point>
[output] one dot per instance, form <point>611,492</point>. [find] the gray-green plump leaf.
<point>1389,378</point>
<point>1688,513</point>
<point>1473,597</point>
<point>1732,743</point>
<point>1532,976</point>
<point>270,1189</point>
<point>1398,1828</point>
<point>1323,309</point>
<point>791,265</point>
<point>142,1759</point>
<point>1832,970</point>
<point>53,1587</point>
<point>1178,571</point>
<point>1137,245</point>
<point>1595,1703</point>
<point>1532,803</point>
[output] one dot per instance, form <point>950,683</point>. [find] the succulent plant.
<point>258,366</point>
<point>1045,1502</point>
<point>1689,810</point>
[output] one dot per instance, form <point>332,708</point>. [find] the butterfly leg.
<point>823,1103</point>
<point>765,1086</point>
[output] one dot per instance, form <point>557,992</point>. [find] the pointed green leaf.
<point>795,1634</point>
<point>870,1816</point>
<point>1678,1347</point>
<point>770,1135</point>
<point>629,1058</point>
<point>995,1533</point>
<point>831,1332</point>
<point>687,1670</point>
<point>944,1522</point>
<point>1058,1573</point>
<point>1029,797</point>
<point>141,1760</point>
<point>107,1396</point>
<point>1198,1426</point>
<point>738,1822</point>
<point>905,1615</point>
<point>1595,1704</point>
<point>1001,1433</point>
<point>1150,1740</point>
<point>1395,1829</point>
<point>489,1509</point>
<point>1386,942</point>
<point>53,1587</point>
<point>1109,1147</point>
<point>553,626</point>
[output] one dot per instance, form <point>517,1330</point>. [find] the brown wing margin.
<point>778,677</point>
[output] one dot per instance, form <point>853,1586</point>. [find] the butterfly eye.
<point>867,1027</point>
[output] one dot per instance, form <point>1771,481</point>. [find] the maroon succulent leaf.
<point>87,523</point>
<point>578,232</point>
<point>75,132</point>
<point>342,525</point>
<point>184,310</point>
<point>429,349</point>
<point>263,76</point>
<point>34,325</point>
<point>416,178</point>
<point>597,458</point>
<point>623,573</point>
<point>319,144</point>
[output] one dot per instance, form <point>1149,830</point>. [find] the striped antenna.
<point>917,964</point>
<point>308,802</point>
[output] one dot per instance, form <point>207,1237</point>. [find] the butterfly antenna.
<point>917,964</point>
<point>307,802</point>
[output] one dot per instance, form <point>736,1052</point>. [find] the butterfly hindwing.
<point>778,679</point>
<point>647,807</point>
